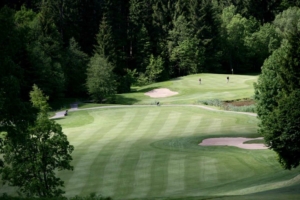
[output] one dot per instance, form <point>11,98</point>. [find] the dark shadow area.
<point>236,197</point>
<point>57,119</point>
<point>62,103</point>
<point>288,192</point>
<point>124,100</point>
<point>176,79</point>
<point>144,90</point>
<point>252,74</point>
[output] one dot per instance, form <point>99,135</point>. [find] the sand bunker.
<point>236,142</point>
<point>162,92</point>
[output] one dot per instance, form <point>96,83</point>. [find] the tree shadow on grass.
<point>125,100</point>
<point>143,90</point>
<point>177,79</point>
<point>57,119</point>
<point>286,192</point>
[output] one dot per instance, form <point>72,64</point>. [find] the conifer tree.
<point>75,66</point>
<point>205,26</point>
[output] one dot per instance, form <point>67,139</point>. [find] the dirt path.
<point>61,114</point>
<point>238,142</point>
<point>75,108</point>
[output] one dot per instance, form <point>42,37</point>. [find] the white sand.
<point>236,142</point>
<point>159,93</point>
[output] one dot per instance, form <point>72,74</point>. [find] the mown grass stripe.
<point>214,126</point>
<point>142,182</point>
<point>175,173</point>
<point>236,169</point>
<point>208,170</point>
<point>122,149</point>
<point>112,170</point>
<point>159,174</point>
<point>142,128</point>
<point>168,126</point>
<point>192,126</point>
<point>81,169</point>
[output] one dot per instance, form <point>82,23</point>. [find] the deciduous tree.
<point>277,96</point>
<point>30,163</point>
<point>101,81</point>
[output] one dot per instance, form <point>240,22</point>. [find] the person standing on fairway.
<point>199,80</point>
<point>227,79</point>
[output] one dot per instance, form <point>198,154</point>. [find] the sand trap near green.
<point>152,151</point>
<point>160,93</point>
<point>187,90</point>
<point>233,141</point>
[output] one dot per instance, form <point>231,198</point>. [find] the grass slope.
<point>153,152</point>
<point>213,86</point>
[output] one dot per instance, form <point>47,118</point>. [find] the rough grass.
<point>247,108</point>
<point>229,106</point>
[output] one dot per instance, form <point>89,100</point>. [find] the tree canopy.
<point>277,95</point>
<point>77,48</point>
<point>31,163</point>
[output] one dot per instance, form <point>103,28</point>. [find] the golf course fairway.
<point>139,150</point>
<point>149,152</point>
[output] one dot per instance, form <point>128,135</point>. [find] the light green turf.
<point>152,151</point>
<point>213,86</point>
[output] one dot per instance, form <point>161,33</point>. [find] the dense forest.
<point>96,48</point>
<point>75,48</point>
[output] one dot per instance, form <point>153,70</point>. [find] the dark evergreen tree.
<point>15,112</point>
<point>285,4</point>
<point>162,24</point>
<point>86,17</point>
<point>17,4</point>
<point>105,42</point>
<point>205,24</point>
<point>75,66</point>
<point>116,13</point>
<point>263,10</point>
<point>186,52</point>
<point>138,33</point>
<point>44,46</point>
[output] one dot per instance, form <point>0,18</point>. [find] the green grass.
<point>153,152</point>
<point>213,86</point>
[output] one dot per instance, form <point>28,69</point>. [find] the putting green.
<point>213,86</point>
<point>153,151</point>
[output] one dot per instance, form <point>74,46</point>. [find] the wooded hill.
<point>71,48</point>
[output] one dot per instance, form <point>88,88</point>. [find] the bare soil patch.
<point>161,92</point>
<point>240,103</point>
<point>236,142</point>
